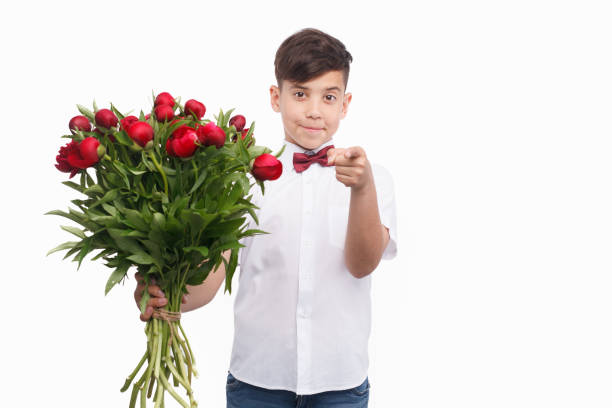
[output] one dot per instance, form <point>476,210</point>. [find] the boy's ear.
<point>348,97</point>
<point>274,98</point>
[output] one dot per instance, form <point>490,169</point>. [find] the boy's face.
<point>311,111</point>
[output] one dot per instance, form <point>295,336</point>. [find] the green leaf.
<point>123,138</point>
<point>229,271</point>
<point>73,230</point>
<point>226,117</point>
<point>74,216</point>
<point>201,249</point>
<point>119,114</point>
<point>74,185</point>
<point>94,190</point>
<point>90,181</point>
<point>106,220</point>
<point>109,196</point>
<point>144,300</point>
<point>117,276</point>
<point>136,220</point>
<point>104,253</point>
<point>158,222</point>
<point>125,244</point>
<point>95,106</point>
<point>109,209</point>
<point>178,205</point>
<point>250,232</point>
<point>84,251</point>
<point>199,181</point>
<point>223,228</point>
<point>87,113</point>
<point>65,245</point>
<point>141,258</point>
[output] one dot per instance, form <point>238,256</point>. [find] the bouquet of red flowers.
<point>168,193</point>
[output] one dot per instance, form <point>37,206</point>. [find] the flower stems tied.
<point>166,357</point>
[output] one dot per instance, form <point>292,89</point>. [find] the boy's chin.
<point>309,144</point>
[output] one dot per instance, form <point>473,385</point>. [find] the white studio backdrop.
<point>493,118</point>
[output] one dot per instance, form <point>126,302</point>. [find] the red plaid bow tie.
<point>302,161</point>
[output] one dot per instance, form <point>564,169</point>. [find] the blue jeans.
<point>242,395</point>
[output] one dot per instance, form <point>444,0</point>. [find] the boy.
<point>302,310</point>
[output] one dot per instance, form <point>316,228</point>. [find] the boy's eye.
<point>330,97</point>
<point>299,94</point>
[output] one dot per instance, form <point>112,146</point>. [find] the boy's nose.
<point>312,110</point>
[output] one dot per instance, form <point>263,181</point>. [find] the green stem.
<point>195,168</point>
<point>130,377</point>
<point>190,352</point>
<point>159,393</point>
<point>161,171</point>
<point>158,335</point>
<point>175,372</point>
<point>168,388</point>
<point>178,354</point>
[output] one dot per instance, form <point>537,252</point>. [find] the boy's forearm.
<point>200,295</point>
<point>366,237</point>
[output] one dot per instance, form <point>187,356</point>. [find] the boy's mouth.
<point>312,129</point>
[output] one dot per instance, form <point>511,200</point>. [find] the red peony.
<point>79,123</point>
<point>127,122</point>
<point>76,156</point>
<point>163,113</point>
<point>180,131</point>
<point>105,118</point>
<point>238,122</point>
<point>211,134</point>
<point>267,167</point>
<point>196,108</point>
<point>141,133</point>
<point>185,145</point>
<point>164,98</point>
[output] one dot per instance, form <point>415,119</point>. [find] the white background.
<point>493,118</point>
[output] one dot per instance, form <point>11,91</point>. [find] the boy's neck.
<point>315,149</point>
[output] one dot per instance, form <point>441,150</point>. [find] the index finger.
<point>352,153</point>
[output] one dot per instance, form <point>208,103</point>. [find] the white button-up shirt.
<point>301,320</point>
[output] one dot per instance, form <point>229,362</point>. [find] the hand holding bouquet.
<point>168,193</point>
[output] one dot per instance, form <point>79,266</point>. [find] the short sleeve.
<point>385,196</point>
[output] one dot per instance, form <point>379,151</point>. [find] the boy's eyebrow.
<point>331,88</point>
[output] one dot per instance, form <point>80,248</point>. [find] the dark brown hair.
<point>308,54</point>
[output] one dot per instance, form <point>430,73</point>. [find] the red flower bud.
<point>180,131</point>
<point>164,98</point>
<point>127,122</point>
<point>89,150</point>
<point>106,118</point>
<point>185,145</point>
<point>79,123</point>
<point>141,133</point>
<point>211,134</point>
<point>238,121</point>
<point>267,167</point>
<point>196,108</point>
<point>163,113</point>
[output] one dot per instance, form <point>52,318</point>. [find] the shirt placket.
<point>305,282</point>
